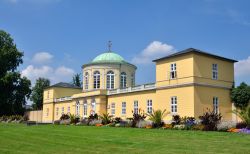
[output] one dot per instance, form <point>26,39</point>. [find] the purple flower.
<point>244,130</point>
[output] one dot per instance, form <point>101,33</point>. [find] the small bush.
<point>176,120</point>
<point>241,125</point>
<point>93,117</point>
<point>106,118</point>
<point>210,120</point>
<point>137,117</point>
<point>74,119</point>
<point>64,117</point>
<point>157,117</point>
<point>117,120</point>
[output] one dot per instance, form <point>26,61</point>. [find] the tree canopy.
<point>241,95</point>
<point>77,80</point>
<point>14,89</point>
<point>37,92</point>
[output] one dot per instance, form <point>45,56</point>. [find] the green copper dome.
<point>108,57</point>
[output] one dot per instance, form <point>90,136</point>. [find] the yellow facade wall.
<point>204,100</point>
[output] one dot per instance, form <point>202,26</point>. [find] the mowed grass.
<point>19,138</point>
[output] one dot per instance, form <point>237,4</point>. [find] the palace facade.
<point>187,83</point>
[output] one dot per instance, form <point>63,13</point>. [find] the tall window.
<point>96,80</point>
<point>123,108</point>
<point>174,104</point>
<point>85,109</point>
<point>48,95</point>
<point>93,107</point>
<point>215,105</point>
<point>113,109</point>
<point>57,110</point>
<point>136,107</point>
<point>68,110</point>
<point>77,108</point>
<point>110,80</point>
<point>123,83</point>
<point>149,106</point>
<point>62,110</point>
<point>215,71</point>
<point>173,73</point>
<point>132,80</point>
<point>86,80</point>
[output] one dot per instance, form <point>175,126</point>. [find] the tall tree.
<point>77,80</point>
<point>241,95</point>
<point>37,92</point>
<point>14,89</point>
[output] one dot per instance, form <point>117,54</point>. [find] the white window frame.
<point>96,78</point>
<point>173,105</point>
<point>216,105</point>
<point>112,109</point>
<point>68,110</point>
<point>77,108</point>
<point>215,71</point>
<point>173,71</point>
<point>124,105</point>
<point>62,110</point>
<point>86,80</point>
<point>123,83</point>
<point>110,80</point>
<point>85,109</point>
<point>136,107</point>
<point>93,107</point>
<point>149,106</point>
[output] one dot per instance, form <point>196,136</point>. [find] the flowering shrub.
<point>244,130</point>
<point>210,120</point>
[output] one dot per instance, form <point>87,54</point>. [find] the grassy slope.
<point>16,138</point>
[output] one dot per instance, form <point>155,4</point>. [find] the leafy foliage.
<point>241,95</point>
<point>176,120</point>
<point>93,117</point>
<point>106,118</point>
<point>157,117</point>
<point>210,120</point>
<point>37,92</point>
<point>74,119</point>
<point>138,117</point>
<point>244,114</point>
<point>14,89</point>
<point>64,117</point>
<point>77,80</point>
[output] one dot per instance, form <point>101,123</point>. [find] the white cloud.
<point>60,74</point>
<point>42,57</point>
<point>242,68</point>
<point>153,51</point>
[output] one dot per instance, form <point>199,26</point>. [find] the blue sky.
<point>58,36</point>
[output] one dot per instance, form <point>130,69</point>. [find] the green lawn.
<point>18,138</point>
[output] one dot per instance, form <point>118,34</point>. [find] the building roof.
<point>193,50</point>
<point>108,57</point>
<point>64,85</point>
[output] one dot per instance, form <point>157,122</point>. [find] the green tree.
<point>241,95</point>
<point>14,89</point>
<point>77,80</point>
<point>37,92</point>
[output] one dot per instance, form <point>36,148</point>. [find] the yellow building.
<point>187,83</point>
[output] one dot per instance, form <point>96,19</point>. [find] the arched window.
<point>77,108</point>
<point>96,80</point>
<point>123,83</point>
<point>110,80</point>
<point>85,108</point>
<point>86,80</point>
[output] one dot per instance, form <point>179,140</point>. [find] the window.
<point>110,80</point>
<point>85,107</point>
<point>123,83</point>
<point>149,106</point>
<point>132,80</point>
<point>77,108</point>
<point>123,108</point>
<point>96,80</point>
<point>57,110</point>
<point>68,110</point>
<point>216,105</point>
<point>173,73</point>
<point>113,109</point>
<point>62,110</point>
<point>174,104</point>
<point>86,80</point>
<point>47,112</point>
<point>215,71</point>
<point>136,111</point>
<point>93,107</point>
